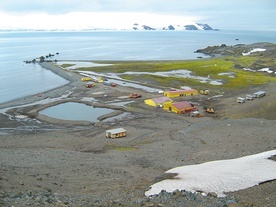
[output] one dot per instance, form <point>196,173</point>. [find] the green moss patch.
<point>204,68</point>
<point>119,148</point>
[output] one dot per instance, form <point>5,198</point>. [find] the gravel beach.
<point>52,162</point>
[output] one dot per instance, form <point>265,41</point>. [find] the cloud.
<point>154,6</point>
<point>217,13</point>
<point>48,6</point>
<point>90,20</point>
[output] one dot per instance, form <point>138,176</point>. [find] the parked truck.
<point>209,110</point>
<point>240,100</point>
<point>135,95</point>
<point>249,97</point>
<point>86,79</point>
<point>90,85</point>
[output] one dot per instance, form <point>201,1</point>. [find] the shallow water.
<point>18,79</point>
<point>75,111</point>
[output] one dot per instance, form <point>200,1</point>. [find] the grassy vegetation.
<point>119,148</point>
<point>67,65</point>
<point>165,81</point>
<point>204,67</point>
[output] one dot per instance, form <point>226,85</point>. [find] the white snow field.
<point>220,176</point>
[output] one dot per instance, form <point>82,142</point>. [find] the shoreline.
<point>73,163</point>
<point>73,79</point>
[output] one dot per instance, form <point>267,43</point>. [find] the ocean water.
<point>18,79</point>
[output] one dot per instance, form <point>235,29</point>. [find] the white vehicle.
<point>249,97</point>
<point>194,114</point>
<point>240,100</point>
<point>259,94</point>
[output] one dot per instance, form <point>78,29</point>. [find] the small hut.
<point>115,133</point>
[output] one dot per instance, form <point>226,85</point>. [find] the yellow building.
<point>179,93</point>
<point>179,107</point>
<point>158,102</point>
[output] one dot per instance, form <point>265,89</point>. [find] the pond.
<point>76,112</point>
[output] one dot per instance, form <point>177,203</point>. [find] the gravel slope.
<point>73,164</point>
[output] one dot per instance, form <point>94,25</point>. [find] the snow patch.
<point>260,70</point>
<point>229,74</point>
<point>220,176</point>
<point>253,50</point>
<point>20,116</point>
<point>248,69</point>
<point>266,70</point>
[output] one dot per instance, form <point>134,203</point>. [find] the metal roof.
<point>182,105</point>
<point>181,91</point>
<point>161,99</point>
<point>259,92</point>
<point>116,131</point>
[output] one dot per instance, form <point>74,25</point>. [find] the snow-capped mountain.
<point>135,26</point>
<point>196,26</point>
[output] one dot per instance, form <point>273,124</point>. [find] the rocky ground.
<point>262,59</point>
<point>48,162</point>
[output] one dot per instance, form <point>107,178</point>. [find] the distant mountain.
<point>196,26</point>
<point>135,26</point>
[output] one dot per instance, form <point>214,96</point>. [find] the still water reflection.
<point>75,111</point>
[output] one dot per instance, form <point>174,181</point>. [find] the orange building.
<point>179,107</point>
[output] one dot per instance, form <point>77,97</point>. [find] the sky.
<point>85,14</point>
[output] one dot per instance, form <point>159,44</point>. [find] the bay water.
<point>18,79</point>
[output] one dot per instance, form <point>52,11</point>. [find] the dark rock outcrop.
<point>190,27</point>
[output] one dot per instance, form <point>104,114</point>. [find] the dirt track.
<point>73,164</point>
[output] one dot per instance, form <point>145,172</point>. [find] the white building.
<point>115,133</point>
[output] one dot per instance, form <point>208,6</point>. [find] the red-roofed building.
<point>179,93</point>
<point>179,107</point>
